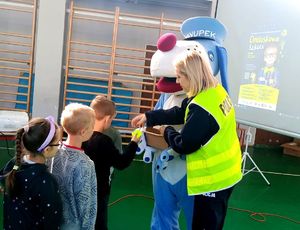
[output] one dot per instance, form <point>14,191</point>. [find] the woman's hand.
<point>139,120</point>
<point>162,129</point>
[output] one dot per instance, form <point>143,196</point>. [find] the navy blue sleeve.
<point>199,127</point>
<point>173,116</point>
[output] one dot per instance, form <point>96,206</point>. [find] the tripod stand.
<point>247,155</point>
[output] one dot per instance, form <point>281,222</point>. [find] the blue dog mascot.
<point>169,169</point>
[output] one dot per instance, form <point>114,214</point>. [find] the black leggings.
<point>210,210</point>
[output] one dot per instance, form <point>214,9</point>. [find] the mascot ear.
<point>222,60</point>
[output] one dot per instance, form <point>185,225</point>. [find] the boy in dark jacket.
<point>101,149</point>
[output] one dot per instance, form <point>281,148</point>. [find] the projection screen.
<point>263,44</point>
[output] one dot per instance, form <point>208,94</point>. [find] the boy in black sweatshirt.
<point>101,149</point>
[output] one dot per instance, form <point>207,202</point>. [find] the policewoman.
<point>208,138</point>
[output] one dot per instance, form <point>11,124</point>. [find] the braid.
<point>10,182</point>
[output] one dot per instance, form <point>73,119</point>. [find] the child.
<point>103,152</point>
<point>269,74</point>
<point>74,170</point>
<point>31,198</point>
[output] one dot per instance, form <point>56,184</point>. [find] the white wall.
<point>49,53</point>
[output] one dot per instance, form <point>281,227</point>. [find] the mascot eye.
<point>211,56</point>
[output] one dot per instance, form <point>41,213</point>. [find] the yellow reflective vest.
<point>217,164</point>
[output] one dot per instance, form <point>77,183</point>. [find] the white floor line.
<point>276,173</point>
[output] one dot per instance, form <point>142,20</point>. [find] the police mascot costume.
<point>169,168</point>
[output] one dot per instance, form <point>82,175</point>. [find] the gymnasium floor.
<point>253,205</point>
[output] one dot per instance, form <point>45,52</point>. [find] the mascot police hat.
<point>205,33</point>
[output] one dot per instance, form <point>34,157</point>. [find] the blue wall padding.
<point>24,89</point>
<point>97,88</point>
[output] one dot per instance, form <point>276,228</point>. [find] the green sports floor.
<point>253,205</point>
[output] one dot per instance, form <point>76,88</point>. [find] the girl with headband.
<point>31,195</point>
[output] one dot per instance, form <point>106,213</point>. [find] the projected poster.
<point>261,80</point>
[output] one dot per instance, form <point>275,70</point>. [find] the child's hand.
<point>136,135</point>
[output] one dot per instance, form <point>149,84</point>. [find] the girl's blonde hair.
<point>196,68</point>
